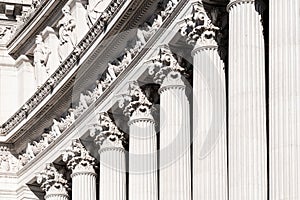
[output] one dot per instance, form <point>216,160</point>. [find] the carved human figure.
<point>98,89</point>
<point>35,3</point>
<point>143,34</point>
<point>41,54</point>
<point>66,33</point>
<point>95,11</point>
<point>4,159</point>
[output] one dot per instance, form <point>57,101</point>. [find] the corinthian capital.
<point>106,133</point>
<point>52,181</point>
<point>76,156</point>
<point>163,64</point>
<point>199,28</point>
<point>135,102</point>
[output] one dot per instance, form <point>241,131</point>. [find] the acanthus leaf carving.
<point>51,180</point>
<point>199,28</point>
<point>76,156</point>
<point>163,64</point>
<point>135,101</point>
<point>106,133</point>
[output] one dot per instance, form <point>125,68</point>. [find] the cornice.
<point>31,27</point>
<point>47,88</point>
<point>102,103</point>
<point>61,137</point>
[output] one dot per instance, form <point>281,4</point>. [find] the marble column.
<point>284,72</point>
<point>112,171</point>
<point>53,183</point>
<point>83,174</point>
<point>247,102</point>
<point>112,184</point>
<point>143,182</point>
<point>209,108</point>
<point>175,155</point>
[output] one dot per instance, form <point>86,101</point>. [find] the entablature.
<point>79,78</point>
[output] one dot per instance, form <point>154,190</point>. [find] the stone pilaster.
<point>209,107</point>
<point>143,183</point>
<point>53,183</point>
<point>175,155</point>
<point>112,158</point>
<point>284,99</point>
<point>83,175</point>
<point>247,102</point>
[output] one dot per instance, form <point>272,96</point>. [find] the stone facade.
<point>156,99</point>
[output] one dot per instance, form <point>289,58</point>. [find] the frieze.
<point>86,98</point>
<point>62,71</point>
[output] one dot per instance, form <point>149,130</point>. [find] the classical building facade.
<point>152,100</point>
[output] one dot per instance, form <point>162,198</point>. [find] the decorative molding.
<point>233,3</point>
<point>106,133</point>
<point>86,98</point>
<point>78,158</point>
<point>64,68</point>
<point>28,14</point>
<point>51,181</point>
<point>260,3</point>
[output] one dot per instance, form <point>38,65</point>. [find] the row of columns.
<point>175,161</point>
<point>247,125</point>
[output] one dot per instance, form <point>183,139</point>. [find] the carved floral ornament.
<point>51,180</point>
<point>163,64</point>
<point>76,156</point>
<point>199,28</point>
<point>106,133</point>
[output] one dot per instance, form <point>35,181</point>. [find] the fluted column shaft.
<point>247,102</point>
<point>284,99</point>
<point>112,174</point>
<point>175,161</point>
<point>143,183</point>
<point>209,127</point>
<point>83,183</point>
